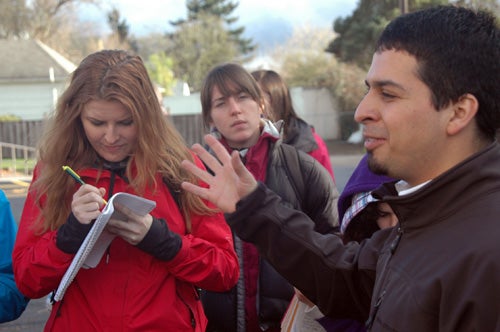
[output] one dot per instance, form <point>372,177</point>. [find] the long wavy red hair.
<point>110,75</point>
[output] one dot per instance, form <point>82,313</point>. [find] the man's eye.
<point>388,95</point>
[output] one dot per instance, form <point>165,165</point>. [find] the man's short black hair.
<point>458,52</point>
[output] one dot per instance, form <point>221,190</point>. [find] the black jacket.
<point>303,183</point>
<point>438,270</point>
<point>299,135</point>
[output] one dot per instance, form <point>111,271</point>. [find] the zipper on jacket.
<point>392,249</point>
<point>370,320</point>
<point>191,313</point>
<point>107,254</point>
<point>396,241</point>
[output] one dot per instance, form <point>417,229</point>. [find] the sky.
<point>146,16</point>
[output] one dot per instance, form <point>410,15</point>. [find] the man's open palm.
<point>231,180</point>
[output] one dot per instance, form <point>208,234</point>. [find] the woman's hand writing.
<point>87,203</point>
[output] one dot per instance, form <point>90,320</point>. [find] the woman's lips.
<point>113,149</point>
<point>238,124</point>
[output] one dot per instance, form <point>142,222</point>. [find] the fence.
<point>24,164</point>
<point>25,133</point>
<point>18,140</point>
<point>28,133</point>
<point>190,126</point>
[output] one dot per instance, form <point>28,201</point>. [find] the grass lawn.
<point>20,165</point>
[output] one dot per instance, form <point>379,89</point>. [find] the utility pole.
<point>403,6</point>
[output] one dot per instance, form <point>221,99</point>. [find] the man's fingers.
<point>219,149</point>
<point>196,171</point>
<point>206,157</point>
<point>244,175</point>
<point>196,190</point>
<point>238,165</point>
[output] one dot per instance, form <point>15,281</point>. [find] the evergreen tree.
<point>221,9</point>
<point>199,45</point>
<point>358,33</point>
<point>118,25</point>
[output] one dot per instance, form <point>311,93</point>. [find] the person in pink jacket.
<point>296,132</point>
<point>108,126</point>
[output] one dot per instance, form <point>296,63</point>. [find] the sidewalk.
<point>32,319</point>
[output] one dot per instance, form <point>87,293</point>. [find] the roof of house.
<point>31,61</point>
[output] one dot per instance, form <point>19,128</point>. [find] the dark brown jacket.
<point>439,270</point>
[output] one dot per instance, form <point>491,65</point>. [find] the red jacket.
<point>129,290</point>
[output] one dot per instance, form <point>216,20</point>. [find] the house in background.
<point>32,76</point>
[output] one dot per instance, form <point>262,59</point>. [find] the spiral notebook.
<point>98,239</point>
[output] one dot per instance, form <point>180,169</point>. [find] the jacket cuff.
<point>160,241</point>
<point>71,234</point>
<point>248,204</point>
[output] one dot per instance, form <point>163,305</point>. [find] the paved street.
<point>15,189</point>
<point>35,315</point>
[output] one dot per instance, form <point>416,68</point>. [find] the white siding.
<point>182,105</point>
<point>319,109</point>
<point>28,101</point>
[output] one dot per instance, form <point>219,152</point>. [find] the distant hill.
<point>268,31</point>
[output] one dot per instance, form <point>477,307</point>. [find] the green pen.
<point>73,174</point>
<point>77,178</point>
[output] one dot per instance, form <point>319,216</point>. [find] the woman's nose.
<point>234,106</point>
<point>111,135</point>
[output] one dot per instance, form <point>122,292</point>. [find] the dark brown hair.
<point>230,79</point>
<point>281,106</point>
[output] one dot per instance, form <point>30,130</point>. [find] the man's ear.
<point>464,111</point>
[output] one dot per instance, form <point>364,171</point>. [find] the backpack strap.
<point>290,157</point>
<point>176,195</point>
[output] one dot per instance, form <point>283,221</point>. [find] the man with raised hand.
<point>430,117</point>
